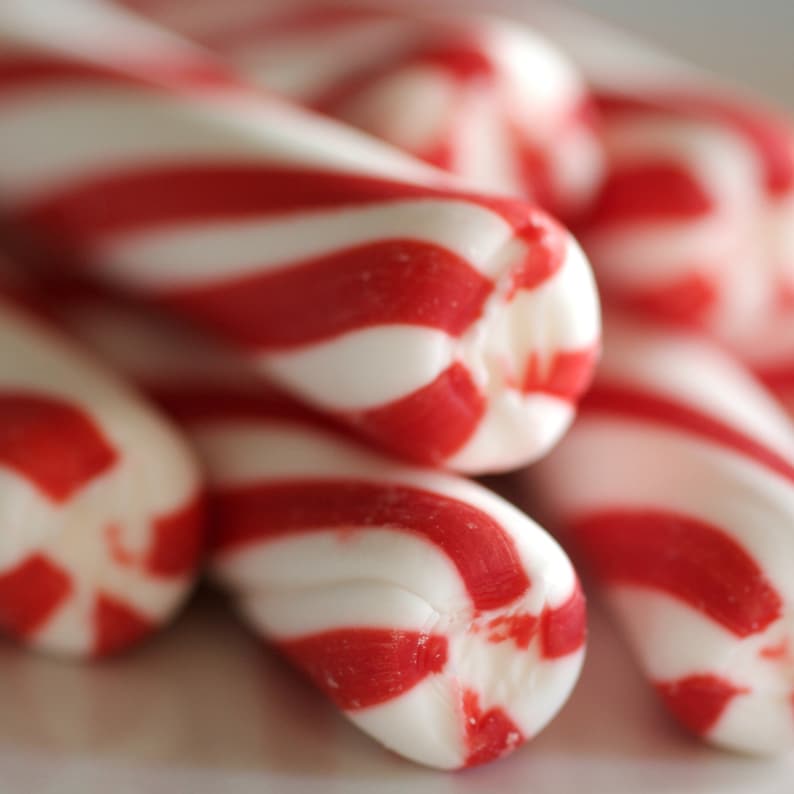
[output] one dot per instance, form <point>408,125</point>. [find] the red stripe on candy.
<point>178,540</point>
<point>489,735</point>
<point>544,257</point>
<point>520,627</point>
<point>127,201</point>
<point>685,301</point>
<point>430,424</point>
<point>683,557</point>
<point>190,403</point>
<point>361,667</point>
<point>461,58</point>
<point>777,652</point>
<point>30,593</point>
<point>778,377</point>
<point>440,153</point>
<point>767,132</point>
<point>483,553</point>
<point>117,626</point>
<point>632,403</point>
<point>698,701</point>
<point>54,445</point>
<point>388,282</point>
<point>24,73</point>
<point>567,375</point>
<point>648,192</point>
<point>564,629</point>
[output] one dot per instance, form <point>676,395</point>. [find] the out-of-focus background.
<point>747,41</point>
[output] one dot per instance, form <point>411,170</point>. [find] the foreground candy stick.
<point>99,501</point>
<point>696,219</point>
<point>449,328</point>
<point>485,98</point>
<point>442,621</point>
<point>676,485</point>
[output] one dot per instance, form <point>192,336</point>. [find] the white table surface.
<point>204,709</point>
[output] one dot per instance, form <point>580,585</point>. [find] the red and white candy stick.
<point>695,220</point>
<point>444,623</point>
<point>99,501</point>
<point>439,619</point>
<point>676,485</point>
<point>449,328</point>
<point>484,98</point>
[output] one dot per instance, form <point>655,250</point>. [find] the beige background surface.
<point>749,41</point>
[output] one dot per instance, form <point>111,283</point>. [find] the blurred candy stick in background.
<point>482,97</point>
<point>676,488</point>
<point>695,222</point>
